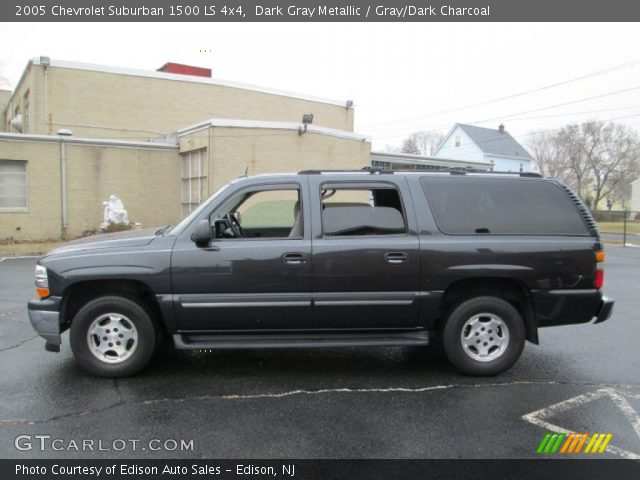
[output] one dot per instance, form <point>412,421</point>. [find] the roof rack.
<point>475,170</point>
<point>449,170</point>
<point>370,170</point>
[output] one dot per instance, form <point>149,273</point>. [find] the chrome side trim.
<point>245,304</point>
<point>336,303</point>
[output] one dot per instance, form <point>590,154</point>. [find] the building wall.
<point>5,96</point>
<point>467,150</point>
<point>98,104</point>
<point>503,164</point>
<point>148,179</point>
<point>147,182</point>
<point>42,218</point>
<point>145,179</point>
<point>231,151</point>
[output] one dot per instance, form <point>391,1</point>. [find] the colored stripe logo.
<point>574,443</point>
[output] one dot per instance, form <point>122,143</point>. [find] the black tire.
<point>463,357</point>
<point>136,313</point>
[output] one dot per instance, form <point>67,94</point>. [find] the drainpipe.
<point>45,62</point>
<point>62,133</point>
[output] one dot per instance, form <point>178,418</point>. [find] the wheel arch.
<point>514,291</point>
<point>79,293</point>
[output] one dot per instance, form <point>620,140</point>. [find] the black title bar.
<point>316,469</point>
<point>318,11</point>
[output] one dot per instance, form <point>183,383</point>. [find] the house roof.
<point>493,142</point>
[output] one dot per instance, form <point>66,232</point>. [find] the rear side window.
<point>469,206</point>
<point>363,211</point>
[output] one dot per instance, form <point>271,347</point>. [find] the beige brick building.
<point>110,102</point>
<point>144,137</point>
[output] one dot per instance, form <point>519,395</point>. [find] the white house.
<point>496,146</point>
<point>635,196</point>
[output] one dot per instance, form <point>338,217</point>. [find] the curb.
<point>17,257</point>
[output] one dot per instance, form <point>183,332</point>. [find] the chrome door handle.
<point>396,258</point>
<point>294,258</point>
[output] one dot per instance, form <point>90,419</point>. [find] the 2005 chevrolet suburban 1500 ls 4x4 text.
<point>476,261</point>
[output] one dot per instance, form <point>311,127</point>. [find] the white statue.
<point>114,212</point>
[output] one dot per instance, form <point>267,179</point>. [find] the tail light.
<point>599,277</point>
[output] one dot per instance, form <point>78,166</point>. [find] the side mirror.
<point>201,232</point>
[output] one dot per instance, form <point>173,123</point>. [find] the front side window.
<point>13,185</point>
<point>269,213</point>
<point>361,211</point>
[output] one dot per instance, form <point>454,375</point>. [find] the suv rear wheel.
<point>113,336</point>
<point>483,336</point>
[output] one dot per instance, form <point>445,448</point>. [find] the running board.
<point>309,340</point>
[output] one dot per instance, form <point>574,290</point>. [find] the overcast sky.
<point>402,77</point>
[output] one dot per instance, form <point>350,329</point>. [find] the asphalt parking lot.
<point>349,403</point>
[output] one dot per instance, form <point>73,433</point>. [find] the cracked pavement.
<point>325,403</point>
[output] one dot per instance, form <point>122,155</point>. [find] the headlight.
<point>42,281</point>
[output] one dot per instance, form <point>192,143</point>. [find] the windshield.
<point>188,219</point>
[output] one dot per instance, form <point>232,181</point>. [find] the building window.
<point>13,185</point>
<point>27,113</point>
<point>457,140</point>
<point>522,167</point>
<point>193,178</point>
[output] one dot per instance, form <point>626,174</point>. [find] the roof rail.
<point>370,170</point>
<point>449,170</point>
<point>492,172</point>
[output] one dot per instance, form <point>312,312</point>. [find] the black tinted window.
<point>502,206</point>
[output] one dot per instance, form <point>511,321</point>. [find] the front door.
<point>366,255</point>
<point>256,274</point>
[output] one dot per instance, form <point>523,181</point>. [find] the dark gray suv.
<point>475,261</point>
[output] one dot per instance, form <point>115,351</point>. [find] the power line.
<point>508,116</point>
<point>628,64</point>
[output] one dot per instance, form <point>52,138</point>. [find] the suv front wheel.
<point>483,336</point>
<point>113,336</point>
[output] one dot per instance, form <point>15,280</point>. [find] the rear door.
<point>366,256</point>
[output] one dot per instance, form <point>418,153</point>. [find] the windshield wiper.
<point>160,231</point>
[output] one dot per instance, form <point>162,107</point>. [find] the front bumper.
<point>45,319</point>
<point>605,310</point>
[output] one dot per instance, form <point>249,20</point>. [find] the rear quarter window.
<point>470,206</point>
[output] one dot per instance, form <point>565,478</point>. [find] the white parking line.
<point>539,417</point>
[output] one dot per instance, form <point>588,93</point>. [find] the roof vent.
<point>501,128</point>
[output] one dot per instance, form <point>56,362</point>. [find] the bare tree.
<point>409,146</point>
<point>616,163</point>
<point>596,159</point>
<point>550,156</point>
<point>391,148</point>
<point>427,141</point>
